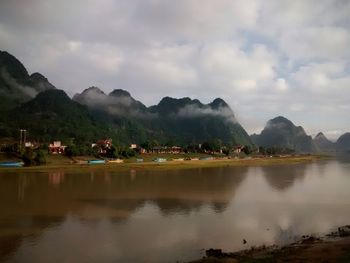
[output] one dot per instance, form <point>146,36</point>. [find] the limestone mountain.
<point>33,103</point>
<point>52,115</point>
<point>322,144</point>
<point>16,85</point>
<point>190,121</point>
<point>119,102</point>
<point>281,132</point>
<point>343,143</point>
<point>179,121</point>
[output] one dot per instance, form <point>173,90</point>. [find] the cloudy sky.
<point>265,58</point>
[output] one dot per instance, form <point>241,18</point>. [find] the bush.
<point>39,157</point>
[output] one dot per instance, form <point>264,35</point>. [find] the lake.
<point>167,216</point>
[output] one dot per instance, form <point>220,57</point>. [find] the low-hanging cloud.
<point>194,110</point>
<point>29,91</point>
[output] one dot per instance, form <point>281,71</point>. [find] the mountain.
<point>322,144</point>
<point>52,115</point>
<point>189,121</point>
<point>343,143</point>
<point>118,102</point>
<point>281,132</point>
<point>16,85</point>
<point>33,103</point>
<point>176,121</point>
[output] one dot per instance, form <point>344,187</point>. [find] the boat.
<point>96,161</point>
<point>116,161</point>
<point>139,160</point>
<point>178,159</point>
<point>11,164</point>
<point>159,160</point>
<point>206,158</point>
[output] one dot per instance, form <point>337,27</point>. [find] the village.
<point>104,151</point>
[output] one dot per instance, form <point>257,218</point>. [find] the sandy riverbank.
<point>333,247</point>
<point>70,166</point>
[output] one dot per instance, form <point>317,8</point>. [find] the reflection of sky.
<point>257,210</point>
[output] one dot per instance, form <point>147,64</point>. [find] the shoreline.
<point>169,165</point>
<point>332,247</point>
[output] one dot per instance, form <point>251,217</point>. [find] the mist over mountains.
<point>32,102</point>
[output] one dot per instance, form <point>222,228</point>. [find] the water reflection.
<point>143,216</point>
<point>44,200</point>
<point>283,177</point>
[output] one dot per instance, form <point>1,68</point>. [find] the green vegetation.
<point>33,157</point>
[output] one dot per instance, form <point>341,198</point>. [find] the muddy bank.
<point>333,247</point>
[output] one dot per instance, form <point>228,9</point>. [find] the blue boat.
<point>11,164</point>
<point>206,158</point>
<point>96,161</point>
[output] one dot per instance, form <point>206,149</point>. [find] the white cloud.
<point>281,85</point>
<point>265,58</point>
<point>316,43</point>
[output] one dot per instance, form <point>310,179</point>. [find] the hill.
<point>171,121</point>
<point>322,144</point>
<point>343,143</point>
<point>16,85</point>
<point>52,115</point>
<point>281,132</point>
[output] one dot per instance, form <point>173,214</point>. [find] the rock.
<point>217,253</point>
<point>344,231</point>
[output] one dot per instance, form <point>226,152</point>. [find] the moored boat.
<point>116,161</point>
<point>97,161</point>
<point>159,160</point>
<point>11,164</point>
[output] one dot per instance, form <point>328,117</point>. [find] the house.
<point>238,148</point>
<point>31,145</point>
<point>133,146</point>
<point>176,150</point>
<point>103,145</point>
<point>56,147</point>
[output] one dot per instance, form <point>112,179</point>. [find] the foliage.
<point>212,145</point>
<point>33,157</point>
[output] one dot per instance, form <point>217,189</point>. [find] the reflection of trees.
<point>282,177</point>
<point>172,191</point>
<point>32,202</point>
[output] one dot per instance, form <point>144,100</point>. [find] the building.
<point>238,148</point>
<point>103,145</point>
<point>56,147</point>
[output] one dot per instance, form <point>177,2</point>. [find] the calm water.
<point>169,215</point>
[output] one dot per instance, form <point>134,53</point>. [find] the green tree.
<point>39,157</point>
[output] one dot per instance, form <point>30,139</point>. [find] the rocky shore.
<point>333,247</point>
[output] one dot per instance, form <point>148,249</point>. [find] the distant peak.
<point>182,101</point>
<point>320,135</point>
<point>218,103</point>
<point>120,93</point>
<point>93,89</point>
<point>280,119</point>
<point>38,76</point>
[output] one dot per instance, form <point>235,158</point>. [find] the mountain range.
<point>32,102</point>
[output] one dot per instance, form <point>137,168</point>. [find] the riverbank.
<point>69,166</point>
<point>333,247</point>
